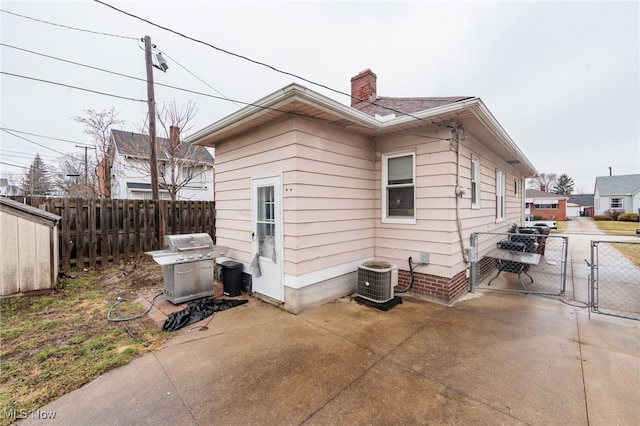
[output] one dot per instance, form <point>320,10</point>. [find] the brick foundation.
<point>440,289</point>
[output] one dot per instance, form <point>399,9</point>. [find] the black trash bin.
<point>527,237</point>
<point>231,278</point>
<point>542,241</point>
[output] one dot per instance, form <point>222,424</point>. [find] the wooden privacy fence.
<point>98,231</point>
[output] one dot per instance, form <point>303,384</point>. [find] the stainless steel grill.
<point>188,266</point>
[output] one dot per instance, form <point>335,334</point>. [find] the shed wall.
<point>26,260</point>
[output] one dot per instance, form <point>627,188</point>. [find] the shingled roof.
<point>582,199</point>
<point>618,185</point>
<point>535,193</point>
<point>138,145</point>
<point>384,106</point>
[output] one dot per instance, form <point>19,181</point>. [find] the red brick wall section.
<point>433,287</point>
<point>551,214</point>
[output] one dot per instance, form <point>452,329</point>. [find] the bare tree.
<point>179,163</point>
<point>545,182</point>
<point>98,126</point>
<point>69,176</point>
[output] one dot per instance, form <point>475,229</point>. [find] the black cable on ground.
<point>120,300</point>
<point>130,333</point>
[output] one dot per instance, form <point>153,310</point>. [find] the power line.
<point>206,44</point>
<point>67,26</point>
<point>73,87</point>
<point>234,101</point>
<point>263,64</point>
<point>208,85</point>
<point>43,136</point>
<point>24,155</point>
<point>35,143</point>
<point>14,165</point>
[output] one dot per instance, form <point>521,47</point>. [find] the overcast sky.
<point>562,78</point>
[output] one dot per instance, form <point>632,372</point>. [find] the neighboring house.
<point>617,193</point>
<point>546,205</point>
<point>188,167</point>
<point>580,205</point>
<point>7,189</point>
<point>310,188</point>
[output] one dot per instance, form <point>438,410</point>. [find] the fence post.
<point>92,211</point>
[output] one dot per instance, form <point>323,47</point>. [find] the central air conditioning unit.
<point>376,281</point>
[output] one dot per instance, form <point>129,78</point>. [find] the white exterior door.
<point>267,236</point>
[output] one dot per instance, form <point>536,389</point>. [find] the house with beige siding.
<point>308,188</point>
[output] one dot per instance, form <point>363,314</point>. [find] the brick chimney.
<point>363,87</point>
<point>174,138</point>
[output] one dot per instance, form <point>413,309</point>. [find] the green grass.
<point>52,344</point>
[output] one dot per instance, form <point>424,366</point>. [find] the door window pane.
<point>266,222</point>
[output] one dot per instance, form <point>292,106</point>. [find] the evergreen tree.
<point>564,185</point>
<point>37,180</point>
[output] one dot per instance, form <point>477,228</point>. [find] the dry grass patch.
<point>614,227</point>
<point>610,227</point>
<point>52,344</point>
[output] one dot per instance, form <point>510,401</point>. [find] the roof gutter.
<point>480,111</point>
<point>295,92</point>
<point>273,102</point>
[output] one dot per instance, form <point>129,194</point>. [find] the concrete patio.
<point>492,358</point>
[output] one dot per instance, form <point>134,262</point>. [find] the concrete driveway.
<point>492,358</point>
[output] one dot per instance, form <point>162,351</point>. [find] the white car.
<point>530,222</point>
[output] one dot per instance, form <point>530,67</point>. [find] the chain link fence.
<point>614,280</point>
<point>523,262</point>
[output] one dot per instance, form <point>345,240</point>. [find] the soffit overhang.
<point>298,101</point>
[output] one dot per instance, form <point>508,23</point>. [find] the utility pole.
<point>151,102</point>
<point>155,194</point>
<point>86,171</point>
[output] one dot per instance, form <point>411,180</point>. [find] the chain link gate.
<point>519,262</point>
<point>614,281</point>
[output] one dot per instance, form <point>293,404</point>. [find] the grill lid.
<point>188,242</point>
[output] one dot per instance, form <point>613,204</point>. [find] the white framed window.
<point>475,182</point>
<point>546,206</point>
<point>501,204</point>
<point>615,203</point>
<point>398,187</point>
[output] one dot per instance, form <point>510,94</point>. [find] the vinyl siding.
<point>332,196</point>
<point>436,227</point>
<point>327,193</point>
<point>329,206</point>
